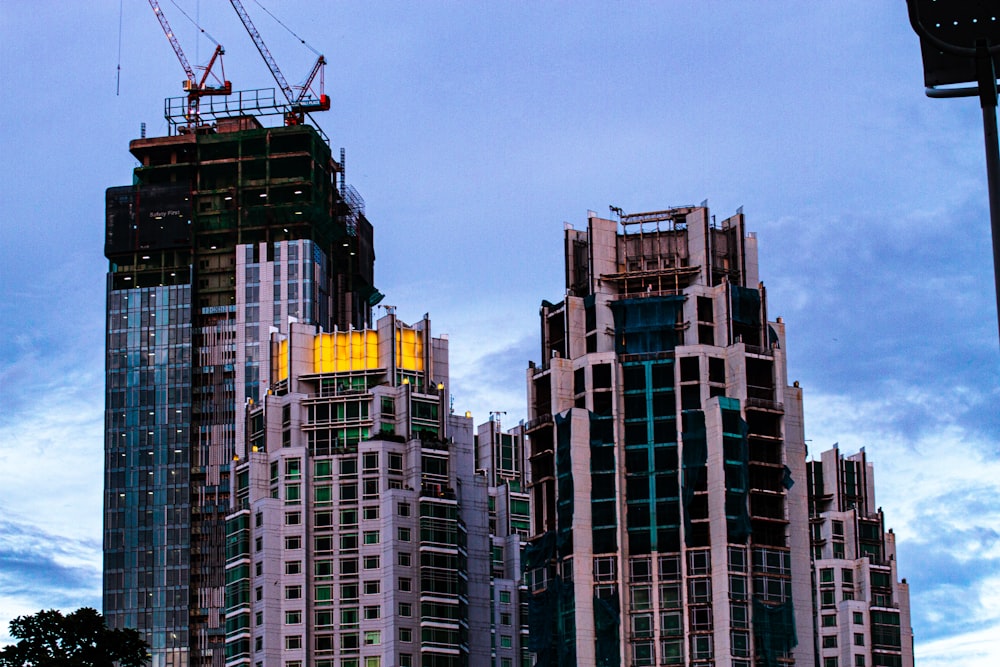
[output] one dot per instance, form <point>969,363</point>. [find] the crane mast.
<point>195,88</point>
<point>302,103</point>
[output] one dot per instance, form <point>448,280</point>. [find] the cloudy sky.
<point>474,130</point>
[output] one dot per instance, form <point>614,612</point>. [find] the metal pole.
<point>993,183</point>
<point>988,101</point>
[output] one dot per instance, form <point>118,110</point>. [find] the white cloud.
<point>976,648</point>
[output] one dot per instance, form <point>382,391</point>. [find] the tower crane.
<point>196,88</point>
<point>305,101</point>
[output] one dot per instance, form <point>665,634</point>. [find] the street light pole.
<point>968,55</point>
<point>988,101</point>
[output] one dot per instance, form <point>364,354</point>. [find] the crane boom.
<point>264,53</point>
<point>168,31</point>
<point>300,104</point>
<point>194,87</point>
<point>317,68</point>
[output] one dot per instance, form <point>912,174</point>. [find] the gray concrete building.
<point>862,609</point>
<point>666,455</point>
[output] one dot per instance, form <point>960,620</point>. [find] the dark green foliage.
<point>79,639</point>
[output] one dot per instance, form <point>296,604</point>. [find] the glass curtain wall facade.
<point>147,502</point>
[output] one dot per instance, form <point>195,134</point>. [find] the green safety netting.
<point>745,305</point>
<point>601,429</point>
<point>772,337</point>
<point>737,515</point>
<point>551,632</point>
<point>607,621</point>
<point>564,484</point>
<point>694,456</point>
<point>540,551</point>
<point>786,478</point>
<point>542,612</point>
<point>773,630</point>
<point>646,324</point>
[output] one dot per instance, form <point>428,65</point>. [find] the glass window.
<point>740,615</point>
<point>641,598</point>
<point>701,647</point>
<point>740,643</point>
<point>699,562</point>
<point>699,591</point>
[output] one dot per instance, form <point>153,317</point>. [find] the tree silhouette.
<point>79,639</point>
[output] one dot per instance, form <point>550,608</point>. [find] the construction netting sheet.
<point>773,630</point>
<point>646,324</point>
<point>694,457</point>
<point>607,621</point>
<point>745,305</point>
<point>551,632</point>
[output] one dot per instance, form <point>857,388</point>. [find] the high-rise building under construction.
<point>229,230</point>
<point>667,458</point>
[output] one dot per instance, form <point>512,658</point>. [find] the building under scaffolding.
<point>229,229</point>
<point>664,446</point>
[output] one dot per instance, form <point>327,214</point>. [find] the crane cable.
<point>307,44</point>
<point>194,23</point>
<point>118,76</point>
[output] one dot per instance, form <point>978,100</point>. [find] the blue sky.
<point>474,130</point>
